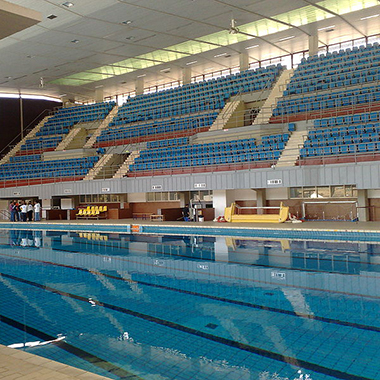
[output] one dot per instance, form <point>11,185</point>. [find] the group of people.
<point>23,211</point>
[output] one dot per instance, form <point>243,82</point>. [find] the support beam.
<point>99,94</point>
<point>186,75</point>
<point>139,86</point>
<point>313,44</point>
<point>261,200</point>
<point>363,211</point>
<point>243,61</point>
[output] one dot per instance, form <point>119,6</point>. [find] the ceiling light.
<point>141,76</point>
<point>191,63</point>
<point>167,70</point>
<point>75,41</point>
<point>52,17</point>
<point>220,55</point>
<point>68,4</point>
<point>285,38</point>
<point>326,27</point>
<point>127,22</point>
<point>373,16</point>
<point>251,47</point>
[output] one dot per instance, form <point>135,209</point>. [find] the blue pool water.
<point>159,307</point>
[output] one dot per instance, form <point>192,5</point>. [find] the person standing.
<point>24,210</point>
<point>18,211</point>
<point>30,211</point>
<point>12,210</point>
<point>37,210</point>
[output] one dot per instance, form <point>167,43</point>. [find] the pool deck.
<point>20,365</point>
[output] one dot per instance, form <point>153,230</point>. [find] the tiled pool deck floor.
<point>19,365</point>
<point>15,365</point>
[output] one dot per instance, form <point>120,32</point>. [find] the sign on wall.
<point>274,181</point>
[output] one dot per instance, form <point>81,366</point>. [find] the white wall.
<point>277,193</point>
<point>136,197</point>
<point>373,193</point>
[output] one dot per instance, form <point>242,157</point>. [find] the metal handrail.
<point>27,129</point>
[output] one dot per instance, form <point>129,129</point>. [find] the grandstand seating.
<point>357,134</point>
<point>335,83</point>
<point>200,102</point>
<point>195,97</point>
<point>40,144</point>
<point>154,130</point>
<point>45,171</point>
<point>202,157</point>
<point>65,118</point>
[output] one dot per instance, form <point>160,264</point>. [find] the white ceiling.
<point>46,49</point>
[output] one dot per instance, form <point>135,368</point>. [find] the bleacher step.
<point>265,112</point>
<point>291,152</point>
<point>124,168</point>
<point>104,124</point>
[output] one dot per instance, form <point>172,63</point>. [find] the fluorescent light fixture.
<point>191,63</point>
<point>165,70</point>
<point>68,4</point>
<point>326,27</point>
<point>251,47</point>
<point>220,55</point>
<point>368,17</point>
<point>141,76</point>
<point>38,97</point>
<point>285,38</point>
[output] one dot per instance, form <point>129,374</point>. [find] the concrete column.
<point>186,75</point>
<point>139,86</point>
<point>99,94</point>
<point>363,213</point>
<point>313,44</point>
<point>243,61</point>
<point>261,200</point>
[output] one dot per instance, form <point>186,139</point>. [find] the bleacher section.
<point>224,155</point>
<point>28,172</point>
<point>27,166</point>
<point>347,138</point>
<point>155,130</point>
<point>65,118</point>
<point>162,115</point>
<point>338,83</point>
<point>40,144</point>
<point>195,97</point>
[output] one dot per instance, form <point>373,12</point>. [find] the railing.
<point>26,131</point>
<point>5,215</point>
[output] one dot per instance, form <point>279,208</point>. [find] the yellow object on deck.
<point>230,215</point>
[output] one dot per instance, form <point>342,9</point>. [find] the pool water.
<point>159,307</point>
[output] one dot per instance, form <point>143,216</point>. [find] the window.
<point>162,196</point>
<point>346,191</point>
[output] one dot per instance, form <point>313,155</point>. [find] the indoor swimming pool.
<point>160,307</point>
